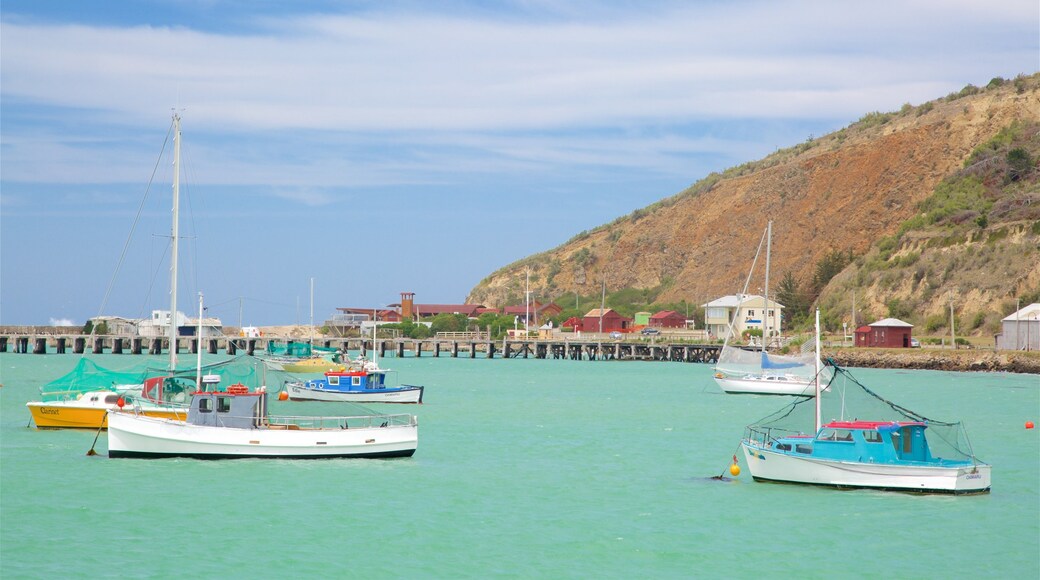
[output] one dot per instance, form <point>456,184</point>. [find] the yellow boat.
<point>90,410</point>
<point>312,365</point>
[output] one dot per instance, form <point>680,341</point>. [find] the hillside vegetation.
<point>908,211</point>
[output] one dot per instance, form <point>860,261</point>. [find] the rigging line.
<point>151,284</point>
<point>133,226</point>
<point>747,282</point>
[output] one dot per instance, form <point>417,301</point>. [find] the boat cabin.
<point>863,441</point>
<point>350,381</point>
<point>237,408</point>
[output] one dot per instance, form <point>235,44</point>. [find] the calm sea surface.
<point>525,468</point>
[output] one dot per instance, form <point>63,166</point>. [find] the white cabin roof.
<point>1031,312</point>
<point>890,322</point>
<point>734,300</point>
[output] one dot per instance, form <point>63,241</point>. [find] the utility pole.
<point>953,338</point>
<point>602,304</point>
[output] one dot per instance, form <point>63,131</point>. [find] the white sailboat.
<point>234,422</point>
<point>741,371</point>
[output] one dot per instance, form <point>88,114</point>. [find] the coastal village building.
<point>536,310</point>
<point>667,319</point>
<point>1021,329</point>
<point>642,318</point>
<point>743,312</point>
<point>159,326</point>
<point>611,321</point>
<point>887,333</point>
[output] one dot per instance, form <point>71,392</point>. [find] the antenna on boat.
<point>818,369</point>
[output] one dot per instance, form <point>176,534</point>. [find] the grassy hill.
<point>908,210</point>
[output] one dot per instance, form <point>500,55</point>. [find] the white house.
<point>158,326</point>
<point>744,312</point>
<point>1021,330</point>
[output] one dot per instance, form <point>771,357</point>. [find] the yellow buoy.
<point>734,470</point>
<point>283,396</point>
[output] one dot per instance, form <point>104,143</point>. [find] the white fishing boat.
<point>235,424</point>
<point>895,450</point>
<point>757,371</point>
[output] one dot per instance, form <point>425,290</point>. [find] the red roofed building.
<point>887,333</point>
<point>611,321</point>
<point>574,323</point>
<point>667,319</point>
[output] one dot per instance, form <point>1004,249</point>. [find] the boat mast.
<point>765,313</point>
<point>174,239</point>
<point>198,348</point>
<point>818,369</point>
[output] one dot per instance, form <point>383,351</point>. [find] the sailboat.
<point>758,371</point>
<point>228,421</point>
<point>869,443</point>
<point>83,398</point>
<point>299,357</point>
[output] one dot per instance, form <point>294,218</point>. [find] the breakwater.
<point>592,349</point>
<point>50,341</point>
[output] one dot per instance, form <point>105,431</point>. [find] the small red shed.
<point>668,319</point>
<point>887,333</point>
<point>611,321</point>
<point>574,323</point>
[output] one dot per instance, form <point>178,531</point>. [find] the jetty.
<point>589,348</point>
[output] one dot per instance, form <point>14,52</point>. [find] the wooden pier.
<point>435,347</point>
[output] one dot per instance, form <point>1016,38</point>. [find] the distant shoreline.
<point>965,360</point>
<point>940,360</point>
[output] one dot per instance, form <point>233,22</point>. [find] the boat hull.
<point>758,386</point>
<point>768,465</point>
<point>134,436</point>
<point>67,415</point>
<point>300,392</point>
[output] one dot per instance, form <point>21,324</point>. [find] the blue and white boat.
<point>896,450</point>
<point>362,382</point>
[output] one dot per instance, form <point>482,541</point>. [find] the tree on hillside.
<point>796,304</point>
<point>1019,164</point>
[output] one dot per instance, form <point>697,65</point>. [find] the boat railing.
<point>766,435</point>
<point>353,422</point>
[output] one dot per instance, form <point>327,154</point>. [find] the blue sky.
<point>380,147</point>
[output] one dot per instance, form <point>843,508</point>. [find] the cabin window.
<point>204,406</point>
<point>111,399</point>
<point>807,449</point>
<point>835,435</point>
<point>872,436</point>
<point>334,380</point>
<point>751,313</point>
<point>908,441</point>
<point>223,404</point>
<point>783,446</point>
<point>356,381</point>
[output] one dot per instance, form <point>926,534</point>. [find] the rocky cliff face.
<point>843,192</point>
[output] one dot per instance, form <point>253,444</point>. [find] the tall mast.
<point>198,349</point>
<point>818,369</point>
<point>174,236</point>
<point>765,313</point>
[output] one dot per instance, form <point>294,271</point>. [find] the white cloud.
<point>62,322</point>
<point>430,72</point>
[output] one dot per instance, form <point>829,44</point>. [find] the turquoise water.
<point>525,468</point>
